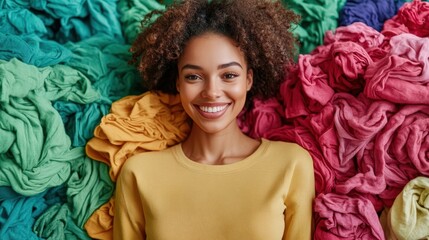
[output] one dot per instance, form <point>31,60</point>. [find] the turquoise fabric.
<point>21,21</point>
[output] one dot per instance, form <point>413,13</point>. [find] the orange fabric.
<point>151,121</point>
<point>148,122</point>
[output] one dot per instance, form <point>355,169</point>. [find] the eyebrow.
<point>225,65</point>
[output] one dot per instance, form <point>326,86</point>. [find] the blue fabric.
<point>374,15</point>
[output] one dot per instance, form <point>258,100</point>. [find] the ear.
<point>249,79</point>
<point>177,84</point>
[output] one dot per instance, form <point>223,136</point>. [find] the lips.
<point>212,111</point>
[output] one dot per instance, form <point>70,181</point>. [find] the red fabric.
<point>344,217</point>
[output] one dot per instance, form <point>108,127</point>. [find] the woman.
<point>218,183</point>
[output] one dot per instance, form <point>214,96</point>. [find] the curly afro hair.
<point>260,28</point>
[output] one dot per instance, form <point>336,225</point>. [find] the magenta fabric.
<point>403,75</point>
<point>263,116</point>
<point>357,121</point>
<point>346,217</point>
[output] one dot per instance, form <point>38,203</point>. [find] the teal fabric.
<point>32,49</point>
<point>7,193</point>
<point>132,13</point>
<point>21,21</point>
<point>81,119</point>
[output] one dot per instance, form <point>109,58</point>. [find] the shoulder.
<point>292,152</point>
<point>147,160</point>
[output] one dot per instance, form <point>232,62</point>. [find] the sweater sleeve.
<point>129,220</point>
<point>299,199</point>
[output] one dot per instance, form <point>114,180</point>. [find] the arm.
<point>128,222</point>
<point>299,200</point>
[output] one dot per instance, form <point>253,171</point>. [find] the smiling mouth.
<point>214,109</point>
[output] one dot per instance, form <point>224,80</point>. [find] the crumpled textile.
<point>411,18</point>
<point>361,34</point>
<point>32,49</point>
<point>132,13</point>
<point>262,117</point>
<point>375,13</point>
<point>338,66</point>
<point>104,61</point>
<point>88,188</point>
<point>147,122</point>
<point>357,121</point>
<point>316,19</point>
<point>403,145</point>
<point>81,119</point>
<point>55,223</point>
<point>346,217</point>
<point>408,218</point>
<point>100,224</point>
<point>37,153</point>
<point>21,21</point>
<point>18,215</point>
<point>403,75</point>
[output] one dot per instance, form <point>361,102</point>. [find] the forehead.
<point>211,49</point>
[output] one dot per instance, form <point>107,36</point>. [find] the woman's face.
<point>213,81</point>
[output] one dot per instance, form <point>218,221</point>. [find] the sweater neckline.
<point>196,166</point>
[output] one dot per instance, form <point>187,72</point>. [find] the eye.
<point>192,77</point>
<point>230,76</point>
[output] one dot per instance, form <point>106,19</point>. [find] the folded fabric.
<point>18,215</point>
<point>151,121</point>
<point>403,75</point>
<point>80,120</point>
<point>21,21</point>
<point>408,217</point>
<point>262,117</point>
<point>412,17</point>
<point>374,15</point>
<point>346,217</point>
<point>104,61</point>
<point>316,19</point>
<point>402,145</point>
<point>32,49</point>
<point>133,12</point>
<point>357,121</point>
<point>361,34</point>
<point>100,224</point>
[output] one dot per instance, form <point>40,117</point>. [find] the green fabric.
<point>37,152</point>
<point>105,62</point>
<point>88,187</point>
<point>409,214</point>
<point>317,17</point>
<point>132,12</point>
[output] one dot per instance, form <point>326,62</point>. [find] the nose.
<point>212,89</point>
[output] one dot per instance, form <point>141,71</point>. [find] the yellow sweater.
<point>268,195</point>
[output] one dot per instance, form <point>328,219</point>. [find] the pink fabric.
<point>403,145</point>
<point>403,75</point>
<point>361,34</point>
<point>263,116</point>
<point>357,121</point>
<point>344,217</point>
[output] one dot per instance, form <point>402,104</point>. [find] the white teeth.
<point>212,109</point>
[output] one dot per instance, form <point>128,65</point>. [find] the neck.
<point>220,148</point>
